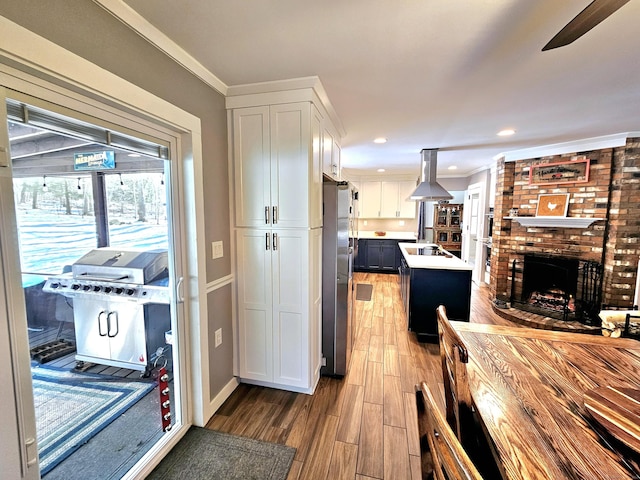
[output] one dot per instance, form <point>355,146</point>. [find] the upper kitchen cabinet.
<point>280,133</point>
<point>276,171</point>
<point>370,198</point>
<point>394,199</point>
<point>330,153</point>
<point>387,199</point>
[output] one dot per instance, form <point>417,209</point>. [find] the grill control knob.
<point>107,289</point>
<point>55,285</point>
<point>119,291</point>
<point>130,291</point>
<point>75,286</point>
<point>86,288</point>
<point>97,288</point>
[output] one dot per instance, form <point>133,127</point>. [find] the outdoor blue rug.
<point>71,408</point>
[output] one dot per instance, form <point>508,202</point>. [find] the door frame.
<point>39,68</point>
<point>19,449</point>
<point>478,266</point>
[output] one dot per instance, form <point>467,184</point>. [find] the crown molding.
<point>276,91</point>
<point>594,143</point>
<point>162,42</point>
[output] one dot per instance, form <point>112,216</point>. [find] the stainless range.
<point>120,306</point>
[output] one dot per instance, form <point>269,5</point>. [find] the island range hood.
<point>429,189</point>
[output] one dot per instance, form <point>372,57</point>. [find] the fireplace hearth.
<point>558,287</point>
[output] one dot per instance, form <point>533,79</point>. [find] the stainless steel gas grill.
<point>120,306</point>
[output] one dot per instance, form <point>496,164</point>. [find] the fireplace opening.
<point>559,287</point>
<point>550,282</point>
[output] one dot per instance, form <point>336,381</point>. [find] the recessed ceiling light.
<point>380,140</point>
<point>453,167</point>
<point>506,132</point>
<point>380,170</point>
<point>133,155</point>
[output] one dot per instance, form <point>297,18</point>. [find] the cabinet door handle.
<point>267,239</point>
<point>275,241</point>
<point>102,316</point>
<point>266,215</point>
<point>275,215</point>
<point>116,323</point>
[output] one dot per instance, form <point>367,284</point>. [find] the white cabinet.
<point>279,302</point>
<point>277,173</point>
<point>406,207</point>
<point>330,154</point>
<point>369,199</point>
<point>111,334</point>
<point>277,179</point>
<point>387,199</point>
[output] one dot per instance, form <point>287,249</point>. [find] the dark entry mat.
<point>50,351</point>
<point>364,291</point>
<point>207,455</point>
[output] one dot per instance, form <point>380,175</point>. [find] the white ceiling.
<point>446,74</point>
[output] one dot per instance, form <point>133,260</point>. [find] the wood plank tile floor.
<point>362,426</point>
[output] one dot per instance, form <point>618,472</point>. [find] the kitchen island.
<point>429,277</point>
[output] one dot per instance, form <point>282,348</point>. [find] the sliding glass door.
<point>88,355</point>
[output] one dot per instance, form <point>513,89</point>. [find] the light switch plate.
<point>218,339</point>
<point>217,250</point>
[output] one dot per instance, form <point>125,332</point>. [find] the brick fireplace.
<point>612,192</point>
<point>557,287</point>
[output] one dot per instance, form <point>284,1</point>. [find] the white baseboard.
<point>219,399</point>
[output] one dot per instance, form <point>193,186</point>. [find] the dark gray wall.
<point>87,30</point>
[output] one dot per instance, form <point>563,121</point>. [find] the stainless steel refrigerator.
<point>339,245</point>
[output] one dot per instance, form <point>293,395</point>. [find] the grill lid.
<point>116,265</point>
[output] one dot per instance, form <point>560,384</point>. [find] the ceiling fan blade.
<point>588,18</point>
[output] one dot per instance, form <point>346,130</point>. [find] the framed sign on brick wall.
<point>552,205</point>
<point>571,171</point>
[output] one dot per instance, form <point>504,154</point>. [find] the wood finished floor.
<point>362,426</point>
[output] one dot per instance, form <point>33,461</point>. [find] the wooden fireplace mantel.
<point>555,222</point>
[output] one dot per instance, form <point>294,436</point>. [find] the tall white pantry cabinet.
<point>276,166</point>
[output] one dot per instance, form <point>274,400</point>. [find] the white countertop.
<point>436,262</point>
<point>389,235</point>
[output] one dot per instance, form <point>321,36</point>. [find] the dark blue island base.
<point>424,289</point>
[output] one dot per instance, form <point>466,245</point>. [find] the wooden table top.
<point>529,387</point>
